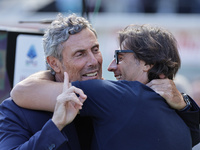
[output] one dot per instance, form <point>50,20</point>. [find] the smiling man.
<point>83,61</point>
<point>128,114</point>
<point>70,45</point>
<point>78,54</point>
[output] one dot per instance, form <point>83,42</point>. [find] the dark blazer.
<point>28,129</point>
<point>191,118</point>
<point>145,105</point>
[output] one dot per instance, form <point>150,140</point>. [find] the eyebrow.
<point>81,50</point>
<point>96,45</point>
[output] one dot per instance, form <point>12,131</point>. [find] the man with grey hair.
<point>55,46</point>
<point>77,53</point>
<point>70,44</point>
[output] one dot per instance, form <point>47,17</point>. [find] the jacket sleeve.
<point>191,118</point>
<point>15,133</point>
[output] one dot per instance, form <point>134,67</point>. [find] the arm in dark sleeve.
<point>191,118</point>
<point>15,133</point>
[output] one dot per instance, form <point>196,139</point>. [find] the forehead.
<point>82,40</point>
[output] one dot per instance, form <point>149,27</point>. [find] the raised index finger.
<point>66,84</point>
<point>157,82</point>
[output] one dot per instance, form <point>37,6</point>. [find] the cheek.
<point>74,73</point>
<point>128,71</point>
<point>75,67</point>
<point>99,58</point>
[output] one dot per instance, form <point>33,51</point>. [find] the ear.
<point>54,63</point>
<point>147,67</point>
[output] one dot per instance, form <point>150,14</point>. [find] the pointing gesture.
<point>67,104</point>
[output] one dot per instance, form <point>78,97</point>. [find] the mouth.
<point>92,74</point>
<point>118,77</point>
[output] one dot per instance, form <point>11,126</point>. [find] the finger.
<point>157,82</point>
<point>161,93</point>
<point>76,100</point>
<point>78,107</point>
<point>149,84</point>
<point>70,97</point>
<point>75,105</point>
<point>82,99</point>
<point>66,82</point>
<point>158,86</point>
<point>77,91</point>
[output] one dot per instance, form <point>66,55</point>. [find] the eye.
<point>79,54</point>
<point>120,58</point>
<point>95,50</point>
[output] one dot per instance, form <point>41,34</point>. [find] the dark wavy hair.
<point>155,46</point>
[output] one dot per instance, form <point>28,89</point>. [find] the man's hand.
<point>68,104</point>
<point>167,89</point>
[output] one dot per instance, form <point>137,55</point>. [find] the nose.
<point>92,60</point>
<point>113,66</point>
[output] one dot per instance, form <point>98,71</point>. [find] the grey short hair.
<point>59,31</point>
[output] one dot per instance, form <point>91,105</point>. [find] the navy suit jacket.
<point>192,119</point>
<point>135,101</point>
<point>28,129</point>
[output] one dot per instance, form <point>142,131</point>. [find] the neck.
<point>143,79</point>
<point>59,77</point>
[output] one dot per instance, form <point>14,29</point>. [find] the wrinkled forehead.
<point>83,40</point>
